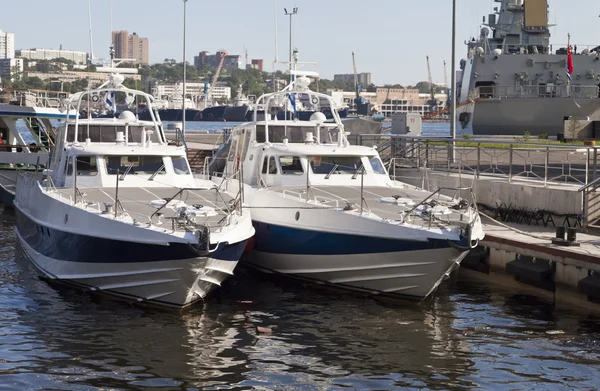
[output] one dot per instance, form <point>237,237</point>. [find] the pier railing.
<point>543,163</point>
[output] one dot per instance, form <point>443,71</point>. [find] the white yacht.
<point>119,211</point>
<point>327,211</point>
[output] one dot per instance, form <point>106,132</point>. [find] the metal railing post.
<point>477,170</point>
<point>419,153</point>
<point>595,162</point>
<point>362,181</point>
<point>117,194</point>
<point>546,163</point>
<point>74,180</point>
<point>510,163</point>
<point>587,166</point>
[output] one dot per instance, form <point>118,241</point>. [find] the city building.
<point>364,79</point>
<point>7,45</point>
<point>194,90</point>
<point>131,46</point>
<point>52,54</point>
<point>230,61</point>
<point>257,64</point>
<point>138,49</point>
<point>388,101</point>
<point>11,68</point>
<point>70,76</point>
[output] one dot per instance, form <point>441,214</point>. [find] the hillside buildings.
<point>364,79</point>
<point>53,54</point>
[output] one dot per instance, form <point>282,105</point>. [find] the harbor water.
<point>468,336</point>
<point>272,334</point>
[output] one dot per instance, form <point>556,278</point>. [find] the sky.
<point>390,38</point>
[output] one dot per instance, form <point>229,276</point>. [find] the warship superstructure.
<point>515,81</point>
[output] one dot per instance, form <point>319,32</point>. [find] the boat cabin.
<point>101,152</point>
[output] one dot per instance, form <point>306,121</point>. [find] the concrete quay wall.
<point>493,191</point>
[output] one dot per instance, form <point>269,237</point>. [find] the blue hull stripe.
<point>66,246</point>
<point>278,239</point>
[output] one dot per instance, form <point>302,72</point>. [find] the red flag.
<point>570,68</point>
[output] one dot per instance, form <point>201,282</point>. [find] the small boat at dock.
<point>118,210</point>
<point>328,212</point>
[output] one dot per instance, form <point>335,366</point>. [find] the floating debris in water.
<point>263,330</point>
<point>555,332</point>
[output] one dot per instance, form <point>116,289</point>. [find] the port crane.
<point>357,88</point>
<point>432,101</point>
<point>212,83</point>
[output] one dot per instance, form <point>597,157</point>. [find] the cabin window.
<point>265,165</point>
<point>291,165</point>
<point>108,133</point>
<point>272,166</point>
<point>232,151</point>
<point>87,165</point>
<point>180,165</point>
<point>377,165</point>
<point>140,165</point>
<point>335,164</point>
<point>135,134</point>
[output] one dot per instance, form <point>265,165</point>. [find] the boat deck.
<point>208,206</point>
<point>392,203</point>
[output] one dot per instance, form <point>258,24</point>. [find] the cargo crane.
<point>432,101</point>
<point>362,108</point>
<point>208,87</point>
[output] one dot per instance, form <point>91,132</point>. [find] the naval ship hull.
<point>533,115</point>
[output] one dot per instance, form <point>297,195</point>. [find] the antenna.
<point>90,23</point>
<point>276,46</point>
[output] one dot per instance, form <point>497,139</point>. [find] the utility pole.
<point>453,82</point>
<point>184,72</point>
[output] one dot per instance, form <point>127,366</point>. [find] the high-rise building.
<point>120,41</point>
<point>7,45</point>
<point>257,64</point>
<point>230,61</point>
<point>51,54</point>
<point>11,68</point>
<point>131,46</point>
<point>138,49</point>
<point>363,78</point>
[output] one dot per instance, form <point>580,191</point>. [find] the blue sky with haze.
<point>390,37</point>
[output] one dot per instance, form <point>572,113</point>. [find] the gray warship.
<point>513,80</point>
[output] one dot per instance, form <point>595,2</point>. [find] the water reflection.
<point>470,335</point>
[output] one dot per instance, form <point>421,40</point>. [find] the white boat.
<point>327,211</point>
<point>119,211</point>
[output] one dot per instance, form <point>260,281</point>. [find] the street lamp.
<point>184,72</point>
<point>453,83</point>
<point>291,15</point>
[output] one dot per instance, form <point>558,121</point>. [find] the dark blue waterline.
<point>278,239</point>
<point>72,247</point>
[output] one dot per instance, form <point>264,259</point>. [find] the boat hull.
<point>533,115</point>
<point>391,267</point>
<point>170,275</point>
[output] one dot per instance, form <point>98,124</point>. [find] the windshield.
<point>139,164</point>
<point>335,164</point>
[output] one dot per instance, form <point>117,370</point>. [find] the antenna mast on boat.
<point>291,15</point>
<point>90,25</point>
